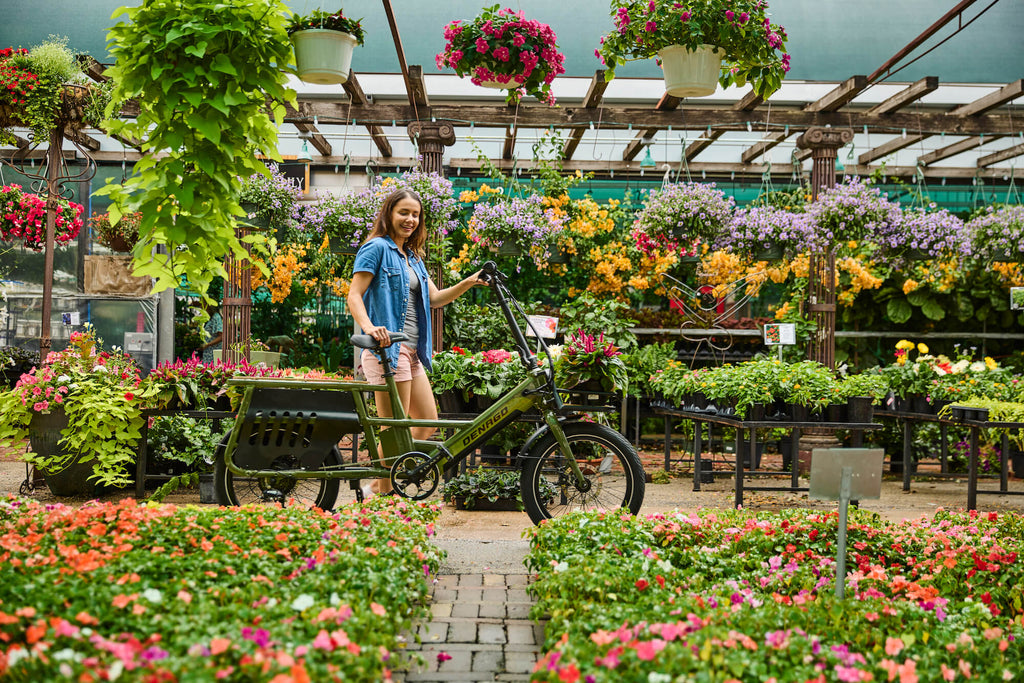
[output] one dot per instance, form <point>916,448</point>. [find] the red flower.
<point>128,395</point>
<point>642,584</point>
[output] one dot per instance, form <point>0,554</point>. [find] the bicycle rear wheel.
<point>231,489</point>
<point>613,475</point>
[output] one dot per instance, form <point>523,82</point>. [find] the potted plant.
<point>698,43</point>
<point>23,217</point>
<point>112,273</point>
<point>502,49</point>
<point>681,215</point>
<point>862,392</point>
<point>191,444</point>
<point>120,235</point>
<point>511,225</point>
<point>997,233</point>
<point>589,363</point>
<point>44,88</point>
<point>83,410</point>
<point>922,235</point>
<point>766,232</point>
<point>323,44</point>
<point>191,384</point>
<point>14,362</point>
<point>488,489</point>
<point>850,212</point>
<point>911,381</point>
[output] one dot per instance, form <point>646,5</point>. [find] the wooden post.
<point>431,138</point>
<point>824,144</point>
<point>236,312</point>
<point>53,161</point>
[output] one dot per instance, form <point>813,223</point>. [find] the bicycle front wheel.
<point>231,489</point>
<point>613,477</point>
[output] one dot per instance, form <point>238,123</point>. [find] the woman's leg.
<point>383,401</point>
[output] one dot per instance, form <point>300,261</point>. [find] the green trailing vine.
<point>209,81</point>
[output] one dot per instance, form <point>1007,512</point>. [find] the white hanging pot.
<point>690,73</point>
<point>322,56</point>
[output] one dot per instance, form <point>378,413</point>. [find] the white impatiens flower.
<point>153,595</point>
<point>303,602</point>
<point>978,366</point>
<point>100,368</point>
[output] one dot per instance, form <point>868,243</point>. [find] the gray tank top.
<point>412,310</point>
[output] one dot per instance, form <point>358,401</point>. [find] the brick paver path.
<point>482,622</point>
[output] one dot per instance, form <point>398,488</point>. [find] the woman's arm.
<point>443,297</point>
<point>360,283</point>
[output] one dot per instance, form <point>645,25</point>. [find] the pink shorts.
<point>409,366</point>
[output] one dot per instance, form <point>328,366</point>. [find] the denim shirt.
<point>388,294</point>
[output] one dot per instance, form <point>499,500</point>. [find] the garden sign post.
<point>845,474</point>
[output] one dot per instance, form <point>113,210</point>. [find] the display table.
<point>740,426</point>
<point>1004,459</point>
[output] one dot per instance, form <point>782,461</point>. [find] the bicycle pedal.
<point>274,496</point>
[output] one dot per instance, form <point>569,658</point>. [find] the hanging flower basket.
<point>323,57</point>
<point>323,44</point>
<point>690,73</point>
<point>504,50</point>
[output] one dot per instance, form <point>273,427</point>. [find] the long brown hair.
<point>382,223</point>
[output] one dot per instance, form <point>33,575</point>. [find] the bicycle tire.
<point>232,490</point>
<point>610,464</point>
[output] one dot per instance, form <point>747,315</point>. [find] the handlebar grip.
<point>490,273</point>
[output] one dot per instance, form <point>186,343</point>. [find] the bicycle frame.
<point>538,390</point>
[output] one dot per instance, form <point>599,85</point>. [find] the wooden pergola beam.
<point>510,143</point>
<point>666,103</point>
<point>615,117</point>
<point>953,149</point>
<point>1001,155</point>
<point>357,97</point>
<point>419,87</point>
<point>839,96</point>
<point>80,137</point>
<point>894,145</point>
<point>1007,93</point>
<point>595,93</point>
<point>912,93</point>
<point>964,112</point>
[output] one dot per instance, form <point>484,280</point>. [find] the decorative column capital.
<point>432,136</point>
<point>824,140</point>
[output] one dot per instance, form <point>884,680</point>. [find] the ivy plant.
<point>208,79</point>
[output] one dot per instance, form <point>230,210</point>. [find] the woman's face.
<point>405,217</point>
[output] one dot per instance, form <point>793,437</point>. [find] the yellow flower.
<point>904,344</point>
<point>909,286</point>
<point>922,349</point>
<point>991,363</point>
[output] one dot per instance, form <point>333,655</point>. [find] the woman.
<point>392,291</point>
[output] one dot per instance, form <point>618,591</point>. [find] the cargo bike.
<point>283,446</point>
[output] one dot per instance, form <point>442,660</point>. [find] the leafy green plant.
<point>202,73</point>
<point>594,315</point>
<point>873,384</point>
<point>186,440</point>
<point>491,485</point>
<point>645,361</point>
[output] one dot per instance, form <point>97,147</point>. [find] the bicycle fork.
<point>582,483</point>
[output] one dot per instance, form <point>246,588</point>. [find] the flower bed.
<point>731,596</point>
<point>164,593</point>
